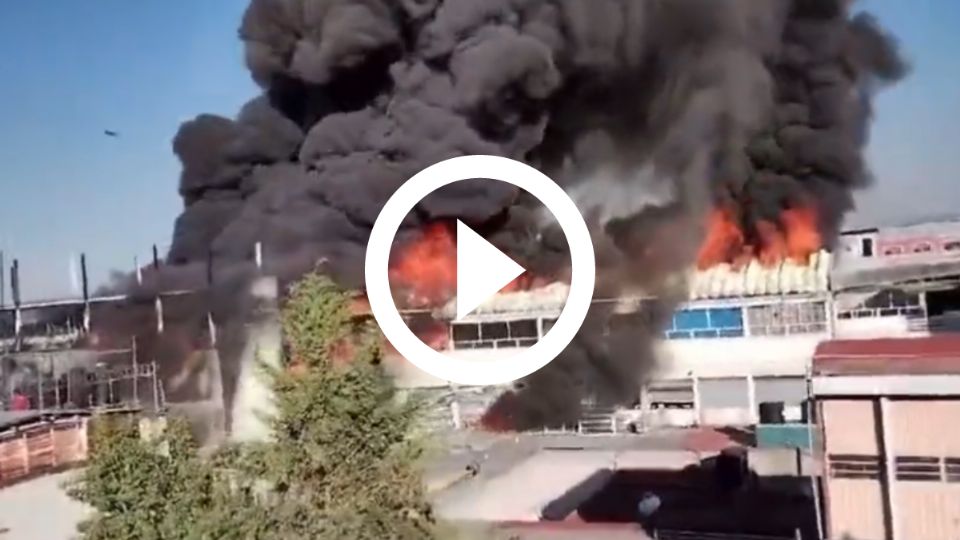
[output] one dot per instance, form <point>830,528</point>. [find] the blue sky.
<point>74,68</point>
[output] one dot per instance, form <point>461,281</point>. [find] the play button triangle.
<point>482,270</point>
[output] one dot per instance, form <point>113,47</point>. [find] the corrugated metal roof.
<point>547,299</point>
<point>923,355</point>
<point>755,279</point>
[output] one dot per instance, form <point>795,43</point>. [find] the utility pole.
<point>3,281</point>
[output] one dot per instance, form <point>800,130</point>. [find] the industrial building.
<point>746,334</point>
<point>888,412</point>
<point>747,337</point>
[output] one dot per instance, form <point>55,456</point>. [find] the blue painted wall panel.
<point>726,318</point>
<point>690,319</point>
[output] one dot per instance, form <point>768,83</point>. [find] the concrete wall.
<point>927,507</point>
<point>875,327</point>
<point>732,357</point>
<point>925,428</point>
<point>855,509</point>
<point>849,427</point>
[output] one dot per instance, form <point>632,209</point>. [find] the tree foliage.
<point>341,463</point>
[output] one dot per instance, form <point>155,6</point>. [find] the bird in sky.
<point>111,133</point>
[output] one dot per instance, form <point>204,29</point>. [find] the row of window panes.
<point>784,319</point>
<point>952,245</point>
<point>788,330</point>
<point>770,320</point>
<point>885,312</point>
<point>852,466</point>
<point>496,344</point>
<point>692,320</point>
<point>704,334</point>
<point>791,313</point>
<point>906,468</point>
<point>498,334</point>
<point>927,469</point>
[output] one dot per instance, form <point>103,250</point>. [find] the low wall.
<point>38,448</point>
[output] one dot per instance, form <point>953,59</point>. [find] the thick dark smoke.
<point>649,112</point>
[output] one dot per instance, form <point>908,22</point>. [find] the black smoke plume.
<point>649,112</point>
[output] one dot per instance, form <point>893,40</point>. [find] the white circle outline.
<point>492,370</point>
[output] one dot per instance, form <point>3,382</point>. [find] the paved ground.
<point>39,509</point>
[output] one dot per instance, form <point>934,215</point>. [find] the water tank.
<point>771,412</point>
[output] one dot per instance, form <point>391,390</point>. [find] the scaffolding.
<point>80,380</point>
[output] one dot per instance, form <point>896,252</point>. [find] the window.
<point>548,324</point>
<point>917,468</point>
<point>726,317</point>
<point>866,247</point>
<point>691,319</point>
<point>953,245</point>
<point>523,329</point>
<point>676,394</point>
<point>853,466</point>
<point>788,318</point>
<point>7,324</point>
<point>923,248</point>
<point>886,303</point>
<point>893,250</point>
<point>493,330</point>
<point>465,332</point>
<point>495,335</point>
<point>707,323</point>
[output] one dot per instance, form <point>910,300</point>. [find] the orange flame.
<point>795,237</point>
<point>426,269</point>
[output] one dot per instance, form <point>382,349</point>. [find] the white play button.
<point>482,270</point>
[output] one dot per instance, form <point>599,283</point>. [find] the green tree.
<point>342,462</point>
<point>141,488</point>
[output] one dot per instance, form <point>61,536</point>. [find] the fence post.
<point>25,453</point>
<point>136,371</point>
<point>53,444</point>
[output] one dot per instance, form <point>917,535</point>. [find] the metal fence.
<point>79,380</point>
<point>41,447</point>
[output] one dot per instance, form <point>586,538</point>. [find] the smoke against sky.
<point>755,108</point>
<point>105,71</point>
<point>758,110</point>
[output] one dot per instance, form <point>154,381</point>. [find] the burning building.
<point>689,132</point>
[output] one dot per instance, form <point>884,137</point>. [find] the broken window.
<point>523,329</point>
<point>498,334</point>
<point>465,332</point>
<point>493,330</point>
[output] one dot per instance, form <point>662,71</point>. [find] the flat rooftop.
<point>932,355</point>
